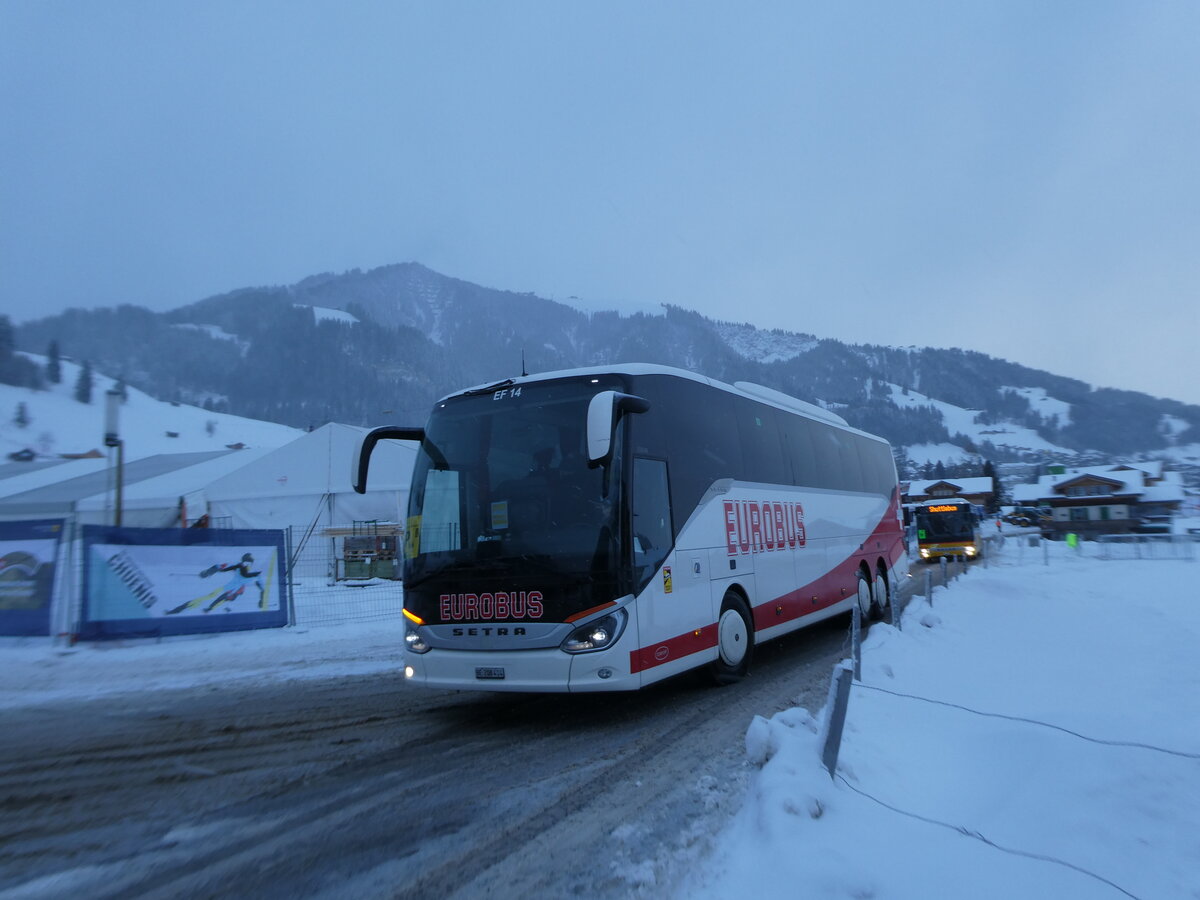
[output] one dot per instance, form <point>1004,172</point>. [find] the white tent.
<point>307,484</point>
<point>84,490</point>
<point>174,498</point>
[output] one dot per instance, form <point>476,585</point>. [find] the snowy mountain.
<point>55,423</point>
<point>378,347</point>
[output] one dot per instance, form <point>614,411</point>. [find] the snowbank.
<point>37,672</point>
<point>1034,734</point>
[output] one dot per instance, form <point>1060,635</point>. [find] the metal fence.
<point>348,574</point>
<point>1146,546</point>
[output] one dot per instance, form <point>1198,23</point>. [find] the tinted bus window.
<point>798,445</point>
<point>851,472</point>
<point>694,426</point>
<point>762,450</point>
<point>826,457</point>
<point>879,467</point>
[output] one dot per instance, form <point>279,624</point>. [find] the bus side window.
<point>762,449</point>
<point>879,466</point>
<point>798,442</point>
<point>851,475</point>
<point>825,456</point>
<point>652,534</point>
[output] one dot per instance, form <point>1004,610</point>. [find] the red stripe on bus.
<point>588,612</point>
<point>673,648</point>
<point>810,598</point>
<point>828,589</point>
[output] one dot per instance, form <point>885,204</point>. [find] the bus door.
<point>660,613</point>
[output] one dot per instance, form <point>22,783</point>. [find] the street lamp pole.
<point>111,439</point>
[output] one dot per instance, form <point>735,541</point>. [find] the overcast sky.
<point>1020,178</point>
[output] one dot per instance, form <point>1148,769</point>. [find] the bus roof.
<point>745,389</point>
<point>943,501</point>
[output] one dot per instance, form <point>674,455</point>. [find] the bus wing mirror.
<point>603,412</point>
<point>362,460</point>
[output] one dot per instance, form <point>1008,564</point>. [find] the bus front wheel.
<point>735,640</point>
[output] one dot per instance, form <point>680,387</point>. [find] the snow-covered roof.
<point>1166,492</point>
<point>167,488</point>
<point>974,485</point>
<point>36,476</point>
<point>1151,467</point>
<point>17,469</point>
<point>60,496</point>
<point>1127,478</point>
<point>318,462</point>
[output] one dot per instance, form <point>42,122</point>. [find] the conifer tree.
<point>53,364</point>
<point>989,471</point>
<point>84,384</point>
<point>21,419</point>
<point>7,341</point>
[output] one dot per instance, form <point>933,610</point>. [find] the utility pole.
<point>111,439</point>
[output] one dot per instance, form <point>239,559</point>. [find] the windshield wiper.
<point>489,388</point>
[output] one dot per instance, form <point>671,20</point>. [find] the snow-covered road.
<point>252,781</point>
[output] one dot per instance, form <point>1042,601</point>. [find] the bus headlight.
<point>924,553</point>
<point>971,551</point>
<point>598,635</point>
<point>414,642</point>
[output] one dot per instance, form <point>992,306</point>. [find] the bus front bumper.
<point>952,551</point>
<point>550,670</point>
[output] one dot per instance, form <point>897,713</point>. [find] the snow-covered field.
<point>962,421</point>
<point>1034,733</point>
<point>58,423</point>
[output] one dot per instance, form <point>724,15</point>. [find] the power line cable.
<point>992,715</point>
<point>967,832</point>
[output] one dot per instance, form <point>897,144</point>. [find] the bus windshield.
<point>955,524</point>
<point>503,485</point>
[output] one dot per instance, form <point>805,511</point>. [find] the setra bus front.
<point>515,572</point>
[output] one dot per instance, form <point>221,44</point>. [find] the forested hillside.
<point>412,335</point>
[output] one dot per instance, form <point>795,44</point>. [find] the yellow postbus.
<point>947,528</point>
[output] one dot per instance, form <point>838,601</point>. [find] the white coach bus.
<point>602,529</point>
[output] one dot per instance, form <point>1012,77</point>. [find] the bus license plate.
<point>496,672</point>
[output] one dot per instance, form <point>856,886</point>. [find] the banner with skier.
<point>177,581</point>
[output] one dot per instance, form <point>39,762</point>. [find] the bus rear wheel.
<point>735,640</point>
<point>866,605</point>
<point>881,597</point>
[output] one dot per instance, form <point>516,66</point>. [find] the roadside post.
<point>837,704</point>
<point>856,642</point>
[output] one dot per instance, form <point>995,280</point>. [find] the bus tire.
<point>735,640</point>
<point>881,597</point>
<point>866,604</point>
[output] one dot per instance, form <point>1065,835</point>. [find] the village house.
<point>979,491</point>
<point>1094,500</point>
